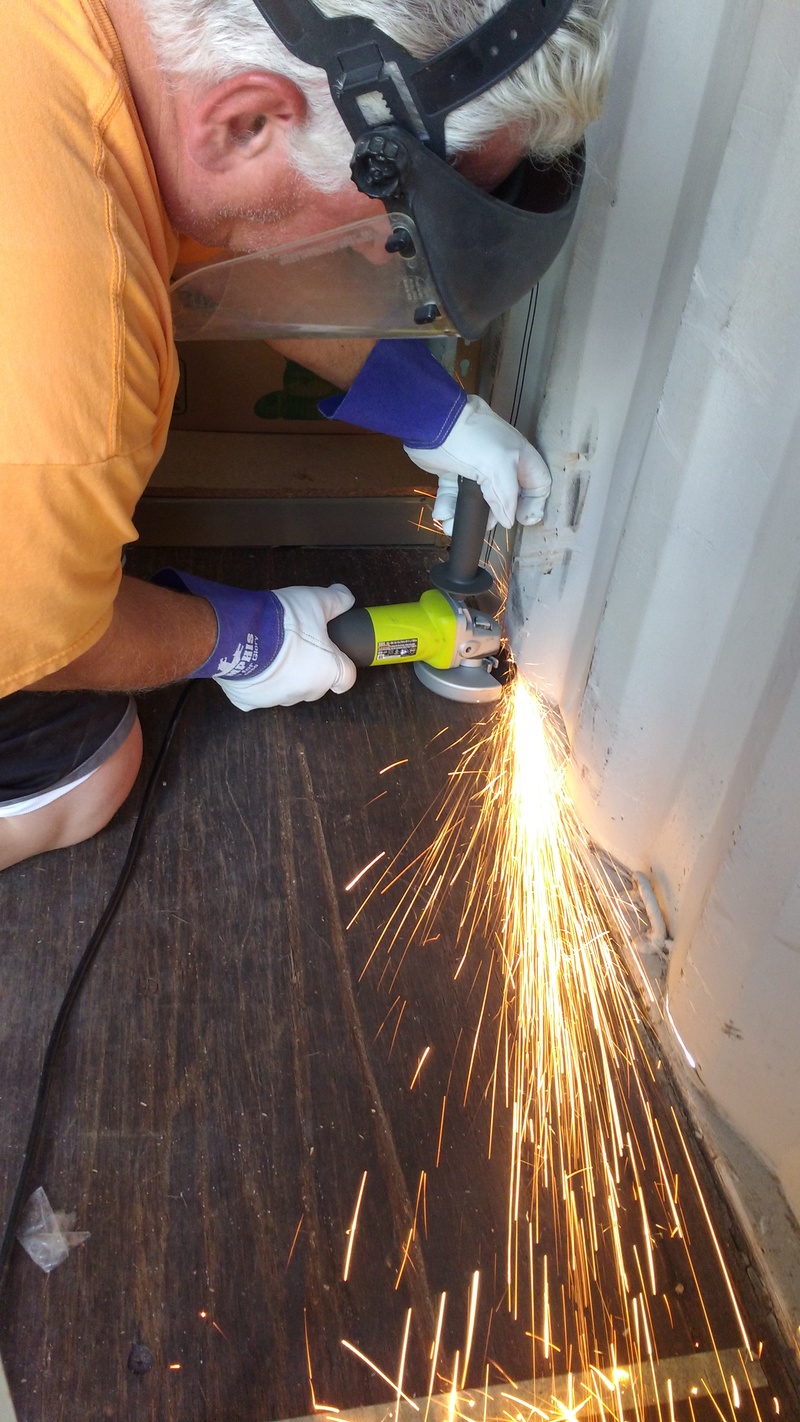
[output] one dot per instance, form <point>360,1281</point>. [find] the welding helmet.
<point>441,256</point>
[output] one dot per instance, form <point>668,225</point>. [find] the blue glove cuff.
<point>250,626</point>
<point>401,390</point>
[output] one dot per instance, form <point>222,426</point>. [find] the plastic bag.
<point>47,1235</point>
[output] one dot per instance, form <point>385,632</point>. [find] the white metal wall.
<point>660,605</point>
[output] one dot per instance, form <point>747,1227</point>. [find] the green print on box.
<point>297,399</point>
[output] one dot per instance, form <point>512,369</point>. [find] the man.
<point>124,125</point>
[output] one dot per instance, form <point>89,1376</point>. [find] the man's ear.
<point>239,118</point>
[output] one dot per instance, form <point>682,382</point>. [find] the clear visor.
<point>341,282</point>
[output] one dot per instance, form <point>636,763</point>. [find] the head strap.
<point>360,59</point>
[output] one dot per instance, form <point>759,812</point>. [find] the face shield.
<point>441,256</point>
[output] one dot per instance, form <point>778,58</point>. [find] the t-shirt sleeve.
<point>61,562</point>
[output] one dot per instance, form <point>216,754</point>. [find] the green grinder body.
<point>423,631</point>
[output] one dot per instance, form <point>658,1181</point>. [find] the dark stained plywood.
<point>231,1071</point>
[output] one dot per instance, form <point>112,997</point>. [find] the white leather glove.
<point>307,663</point>
<point>513,477</point>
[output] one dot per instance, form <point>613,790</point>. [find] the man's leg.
<point>79,813</point>
<point>67,763</point>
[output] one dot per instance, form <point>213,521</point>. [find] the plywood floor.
<point>230,1076</point>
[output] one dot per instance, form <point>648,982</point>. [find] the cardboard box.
<point>251,461</point>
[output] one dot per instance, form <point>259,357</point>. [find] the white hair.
<point>547,102</point>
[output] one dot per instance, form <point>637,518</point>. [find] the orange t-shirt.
<point>88,369</point>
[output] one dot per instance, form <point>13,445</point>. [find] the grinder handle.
<point>469,531</point>
<point>353,632</point>
<point>461,574</point>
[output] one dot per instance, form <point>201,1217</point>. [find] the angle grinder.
<point>454,647</point>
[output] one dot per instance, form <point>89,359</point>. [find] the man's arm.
<point>338,361</point>
<point>156,636</point>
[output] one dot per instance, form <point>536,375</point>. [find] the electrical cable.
<point>77,981</point>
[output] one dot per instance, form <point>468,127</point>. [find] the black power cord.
<point>76,983</point>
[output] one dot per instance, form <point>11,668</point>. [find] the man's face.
<point>289,209</point>
<point>261,205</point>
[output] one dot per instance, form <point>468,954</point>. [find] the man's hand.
<point>403,390</point>
<point>513,477</point>
<point>272,648</point>
<point>307,664</point>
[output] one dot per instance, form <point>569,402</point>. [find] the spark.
<point>402,1368</point>
<point>292,1248</point>
<point>315,1405</point>
<point>435,1352</point>
<point>362,1357</point>
<point>365,870</point>
<point>452,1401</point>
<point>386,1019</point>
<point>441,1132</point>
<point>352,1230</point>
<point>551,922</point>
<point>397,1027</point>
<point>690,1061</point>
<point>569,1412</point>
<point>404,1258</point>
<point>546,1313</point>
<point>718,1250</point>
<point>204,1314</point>
<point>442,732</point>
<point>422,1192</point>
<point>619,1375</point>
<point>471,1312</point>
<point>420,1065</point>
<point>393,766</point>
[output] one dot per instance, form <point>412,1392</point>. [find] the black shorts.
<point>50,740</point>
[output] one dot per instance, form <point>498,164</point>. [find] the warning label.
<point>388,651</point>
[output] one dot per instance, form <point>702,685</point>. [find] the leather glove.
<point>403,390</point>
<point>513,477</point>
<point>273,648</point>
